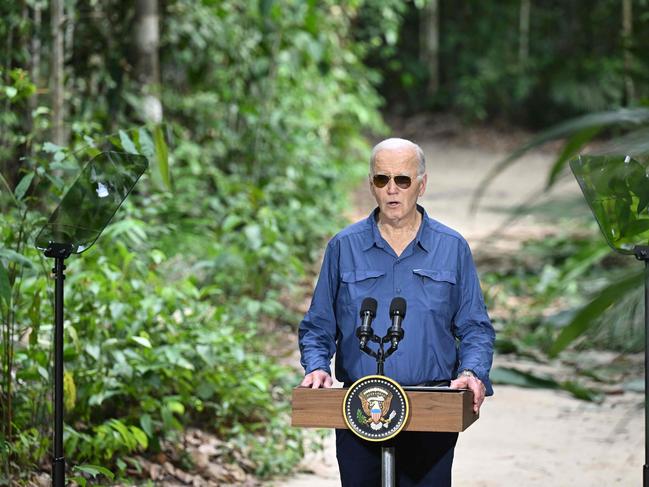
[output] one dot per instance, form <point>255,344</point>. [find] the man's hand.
<point>317,379</point>
<point>475,385</point>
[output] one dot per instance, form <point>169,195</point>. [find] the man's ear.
<point>422,186</point>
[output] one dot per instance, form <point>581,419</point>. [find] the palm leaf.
<point>514,377</point>
<point>577,128</point>
<point>587,316</point>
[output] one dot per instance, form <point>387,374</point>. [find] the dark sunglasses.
<point>380,180</point>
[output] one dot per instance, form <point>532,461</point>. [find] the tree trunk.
<point>627,40</point>
<point>429,43</point>
<point>56,76</point>
<point>35,55</point>
<point>147,69</point>
<point>524,33</point>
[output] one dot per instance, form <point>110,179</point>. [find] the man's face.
<point>396,203</point>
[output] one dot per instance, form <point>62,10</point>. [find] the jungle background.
<point>258,117</point>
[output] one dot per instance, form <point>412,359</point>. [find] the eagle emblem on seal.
<point>375,402</point>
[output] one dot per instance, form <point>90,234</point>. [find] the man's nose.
<point>392,186</point>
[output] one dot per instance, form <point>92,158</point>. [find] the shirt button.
<point>398,290</point>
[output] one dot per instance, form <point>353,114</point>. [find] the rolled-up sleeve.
<point>317,331</point>
<point>472,325</point>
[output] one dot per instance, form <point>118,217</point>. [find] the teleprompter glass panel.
<point>616,188</point>
<point>93,199</point>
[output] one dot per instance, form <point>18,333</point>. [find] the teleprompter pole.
<point>642,253</point>
<point>645,470</point>
<point>58,460</point>
<point>59,252</point>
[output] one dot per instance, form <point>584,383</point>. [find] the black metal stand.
<point>387,452</point>
<point>642,253</point>
<point>59,252</point>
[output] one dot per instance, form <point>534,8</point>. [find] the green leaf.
<point>621,117</point>
<point>142,341</point>
<point>146,144</point>
<point>162,155</point>
<point>51,148</point>
<point>259,381</point>
<point>13,256</point>
<point>587,316</point>
<point>265,6</point>
<point>94,470</point>
<point>82,481</point>
<point>581,392</point>
<point>5,286</point>
<point>570,150</point>
<point>124,432</point>
<point>140,437</point>
<point>23,185</point>
<point>147,425</point>
<point>6,185</point>
<point>176,407</point>
<point>509,376</point>
<point>127,143</point>
<point>636,227</point>
<point>35,318</point>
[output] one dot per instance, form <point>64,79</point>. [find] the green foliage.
<point>589,314</point>
<point>509,376</point>
<point>168,316</point>
<point>574,59</point>
<point>615,186</point>
<point>566,291</point>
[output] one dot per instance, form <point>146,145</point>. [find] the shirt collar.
<point>422,238</point>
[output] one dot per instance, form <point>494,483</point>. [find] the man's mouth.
<point>393,204</point>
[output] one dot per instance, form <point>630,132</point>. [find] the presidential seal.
<point>375,408</point>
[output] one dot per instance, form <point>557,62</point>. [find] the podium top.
<point>432,410</point>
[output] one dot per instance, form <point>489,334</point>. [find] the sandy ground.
<point>524,438</point>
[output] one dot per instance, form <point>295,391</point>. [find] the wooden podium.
<point>450,410</point>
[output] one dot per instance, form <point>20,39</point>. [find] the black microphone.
<point>397,314</point>
<point>368,312</point>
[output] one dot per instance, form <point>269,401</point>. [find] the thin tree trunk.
<point>147,69</point>
<point>429,43</point>
<point>35,54</point>
<point>56,76</point>
<point>524,33</point>
<point>627,40</point>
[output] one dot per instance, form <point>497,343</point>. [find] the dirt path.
<point>525,438</point>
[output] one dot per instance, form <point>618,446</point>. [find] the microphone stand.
<point>381,354</point>
<point>388,477</point>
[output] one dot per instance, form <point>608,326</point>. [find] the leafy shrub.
<point>167,316</point>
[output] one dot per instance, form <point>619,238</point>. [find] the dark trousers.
<point>421,459</point>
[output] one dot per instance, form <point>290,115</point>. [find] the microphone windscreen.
<point>369,304</point>
<point>398,307</point>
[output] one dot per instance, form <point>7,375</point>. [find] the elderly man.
<point>399,251</point>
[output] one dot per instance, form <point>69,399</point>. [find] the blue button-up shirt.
<point>446,327</point>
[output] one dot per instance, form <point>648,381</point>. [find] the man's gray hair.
<point>396,143</point>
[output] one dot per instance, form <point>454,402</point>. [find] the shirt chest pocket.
<point>438,288</point>
<point>359,284</point>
